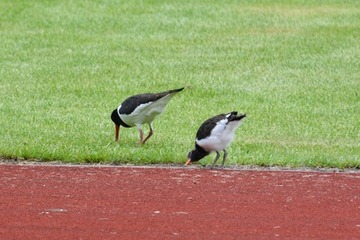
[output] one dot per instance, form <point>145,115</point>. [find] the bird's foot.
<point>209,167</point>
<point>215,167</point>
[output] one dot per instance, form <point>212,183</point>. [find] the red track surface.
<point>84,202</point>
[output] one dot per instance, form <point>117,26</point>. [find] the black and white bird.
<point>215,135</point>
<point>140,109</point>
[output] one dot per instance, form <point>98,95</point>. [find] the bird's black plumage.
<point>207,126</point>
<point>215,134</point>
<point>197,154</point>
<point>117,120</point>
<point>139,109</point>
<point>131,103</point>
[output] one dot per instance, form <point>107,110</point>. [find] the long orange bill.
<point>188,162</point>
<point>116,132</point>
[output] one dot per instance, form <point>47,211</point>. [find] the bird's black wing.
<point>131,103</point>
<point>207,126</point>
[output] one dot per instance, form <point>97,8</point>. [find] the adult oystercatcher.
<point>215,134</point>
<point>139,109</point>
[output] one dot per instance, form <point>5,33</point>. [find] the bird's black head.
<point>115,117</point>
<point>195,155</point>
<point>117,120</point>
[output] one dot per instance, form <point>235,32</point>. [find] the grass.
<point>294,68</point>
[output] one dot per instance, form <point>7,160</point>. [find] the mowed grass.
<point>293,68</point>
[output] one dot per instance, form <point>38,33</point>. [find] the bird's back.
<point>217,133</point>
<point>143,108</point>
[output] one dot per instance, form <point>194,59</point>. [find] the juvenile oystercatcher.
<point>215,134</point>
<point>139,109</point>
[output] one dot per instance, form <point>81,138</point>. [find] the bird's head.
<point>115,117</point>
<point>189,158</point>
<point>195,155</point>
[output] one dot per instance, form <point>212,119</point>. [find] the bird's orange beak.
<point>117,132</point>
<point>188,162</point>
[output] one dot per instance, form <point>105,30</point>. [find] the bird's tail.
<point>170,92</point>
<point>176,90</point>
<point>235,117</point>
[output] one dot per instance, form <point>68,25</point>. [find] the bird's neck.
<point>115,117</point>
<point>199,153</point>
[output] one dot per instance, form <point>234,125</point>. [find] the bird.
<point>215,135</point>
<point>141,109</point>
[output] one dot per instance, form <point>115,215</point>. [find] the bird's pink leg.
<point>141,135</point>
<point>150,134</point>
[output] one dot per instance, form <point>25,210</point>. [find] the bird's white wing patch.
<point>219,128</point>
<point>214,141</point>
<point>221,136</point>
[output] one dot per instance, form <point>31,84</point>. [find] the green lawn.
<point>293,68</point>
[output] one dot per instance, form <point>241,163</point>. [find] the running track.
<point>92,202</point>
